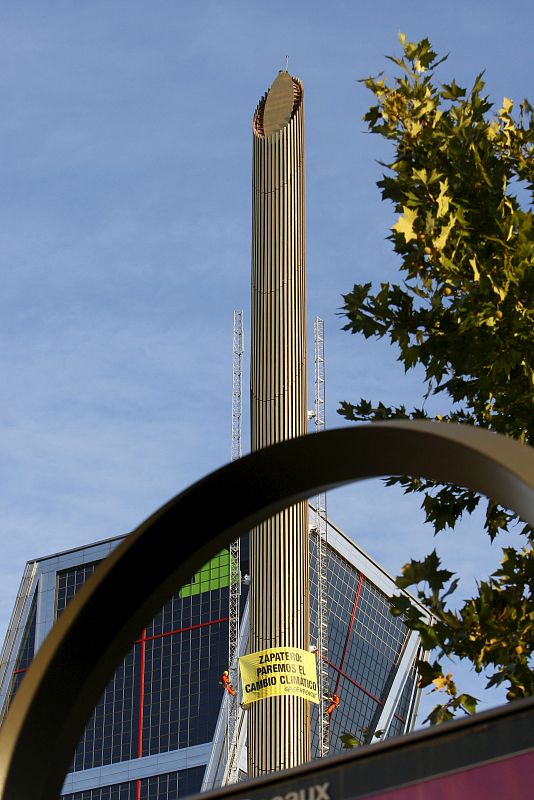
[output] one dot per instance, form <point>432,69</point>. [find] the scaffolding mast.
<point>321,531</point>
<point>232,706</point>
<point>237,384</point>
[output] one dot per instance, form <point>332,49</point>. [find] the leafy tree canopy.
<point>462,184</point>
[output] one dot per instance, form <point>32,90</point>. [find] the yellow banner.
<point>279,670</point>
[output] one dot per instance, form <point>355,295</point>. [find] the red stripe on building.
<point>182,630</point>
<point>349,631</point>
<point>142,641</point>
<point>141,704</point>
<point>361,688</point>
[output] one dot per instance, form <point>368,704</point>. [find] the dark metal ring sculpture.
<point>70,671</point>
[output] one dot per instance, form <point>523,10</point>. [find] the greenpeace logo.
<point>317,792</point>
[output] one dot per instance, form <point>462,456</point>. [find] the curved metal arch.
<point>71,669</point>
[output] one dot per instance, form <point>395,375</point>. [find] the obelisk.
<point>279,727</point>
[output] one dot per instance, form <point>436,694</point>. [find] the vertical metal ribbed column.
<point>278,727</point>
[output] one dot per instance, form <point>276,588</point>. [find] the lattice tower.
<point>232,704</point>
<point>321,532</point>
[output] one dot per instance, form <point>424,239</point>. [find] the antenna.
<point>232,707</point>
<point>321,532</point>
<point>287,63</point>
<point>237,384</point>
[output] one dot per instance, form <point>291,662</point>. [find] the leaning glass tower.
<point>159,730</point>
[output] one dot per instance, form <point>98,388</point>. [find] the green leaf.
<point>468,703</point>
<point>439,715</point>
<point>404,224</point>
<point>443,199</point>
<point>452,91</point>
<point>349,741</point>
<point>427,672</point>
<point>476,273</point>
<point>427,570</point>
<point>507,106</point>
<point>441,240</point>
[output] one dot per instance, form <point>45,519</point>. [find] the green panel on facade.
<point>213,575</point>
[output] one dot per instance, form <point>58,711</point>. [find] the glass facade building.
<point>159,730</point>
<point>365,647</point>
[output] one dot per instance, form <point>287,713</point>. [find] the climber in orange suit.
<point>225,681</point>
<point>334,702</point>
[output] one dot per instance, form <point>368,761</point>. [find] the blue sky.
<point>125,136</point>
